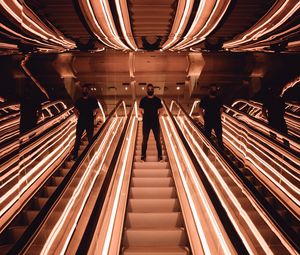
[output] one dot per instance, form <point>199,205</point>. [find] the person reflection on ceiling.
<point>30,107</point>
<point>151,46</point>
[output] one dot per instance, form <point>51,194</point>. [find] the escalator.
<point>31,214</point>
<point>262,190</point>
<point>17,227</point>
<point>154,222</point>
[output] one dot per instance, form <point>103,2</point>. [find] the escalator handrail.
<point>288,232</point>
<point>228,226</point>
<point>21,245</point>
<point>87,237</point>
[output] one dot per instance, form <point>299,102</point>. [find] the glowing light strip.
<point>247,151</point>
<point>38,170</point>
<point>64,215</point>
<point>8,46</point>
<point>231,196</point>
<point>102,111</point>
<point>199,189</point>
<point>183,20</point>
<point>203,37</point>
<point>112,219</point>
<point>18,19</point>
<point>193,107</point>
<point>241,186</point>
<point>106,41</point>
<point>258,31</point>
<point>201,233</point>
<point>125,30</point>
<point>111,26</point>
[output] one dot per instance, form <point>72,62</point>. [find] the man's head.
<point>150,90</point>
<point>86,90</point>
<point>213,90</point>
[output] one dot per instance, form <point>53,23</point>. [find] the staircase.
<point>154,222</point>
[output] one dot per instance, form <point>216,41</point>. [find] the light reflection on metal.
<point>201,234</point>
<point>267,164</point>
<point>125,23</point>
<point>98,15</point>
<point>183,122</point>
<point>56,230</point>
<point>290,85</point>
<point>180,22</point>
<point>28,177</point>
<point>112,219</point>
<point>208,16</point>
<point>281,11</point>
<point>21,13</point>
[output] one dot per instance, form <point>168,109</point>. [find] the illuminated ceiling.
<point>134,25</point>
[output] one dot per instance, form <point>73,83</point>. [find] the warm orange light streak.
<point>117,197</point>
<point>103,149</point>
<point>102,111</point>
<point>231,196</point>
<point>257,161</point>
<point>280,13</point>
<point>125,23</point>
<point>182,18</point>
<point>189,168</point>
<point>24,37</point>
<point>290,84</point>
<point>110,23</point>
<point>40,167</point>
<point>18,18</point>
<point>253,202</point>
<point>8,46</point>
<point>105,40</point>
<point>217,13</point>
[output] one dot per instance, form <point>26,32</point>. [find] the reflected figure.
<point>30,112</point>
<point>149,107</point>
<point>84,110</point>
<point>273,110</point>
<point>211,108</point>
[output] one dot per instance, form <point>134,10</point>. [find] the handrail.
<point>222,214</point>
<point>23,243</point>
<point>273,215</point>
<point>292,119</point>
<point>87,237</point>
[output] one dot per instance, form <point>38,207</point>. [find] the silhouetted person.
<point>30,112</point>
<point>84,109</point>
<point>149,107</point>
<point>211,109</point>
<point>273,110</point>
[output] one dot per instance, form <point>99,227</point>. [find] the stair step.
<point>152,182</point>
<point>153,205</point>
<point>151,173</point>
<point>154,220</point>
<point>155,237</point>
<point>154,165</point>
<point>149,152</point>
<point>177,250</point>
<point>149,158</point>
<point>152,192</point>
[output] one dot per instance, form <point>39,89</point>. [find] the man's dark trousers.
<point>146,131</point>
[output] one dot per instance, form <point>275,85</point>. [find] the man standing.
<point>149,107</point>
<point>273,110</point>
<point>211,109</point>
<point>84,110</point>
